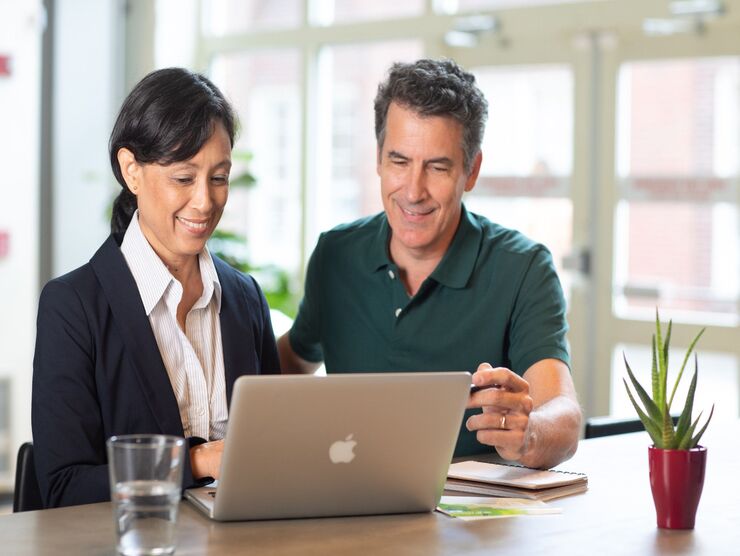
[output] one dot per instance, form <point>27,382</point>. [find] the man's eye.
<point>398,162</point>
<point>439,168</point>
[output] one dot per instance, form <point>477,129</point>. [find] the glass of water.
<point>146,485</point>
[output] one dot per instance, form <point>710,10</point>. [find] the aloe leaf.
<point>655,378</point>
<point>662,370</point>
<point>695,439</point>
<point>685,418</point>
<point>649,404</point>
<point>666,344</point>
<point>652,428</point>
<point>669,437</point>
<point>686,441</point>
<point>685,359</point>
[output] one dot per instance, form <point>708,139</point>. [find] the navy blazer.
<point>97,370</point>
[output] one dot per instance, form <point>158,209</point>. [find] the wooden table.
<point>615,516</point>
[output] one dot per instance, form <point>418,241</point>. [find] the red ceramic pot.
<point>676,479</point>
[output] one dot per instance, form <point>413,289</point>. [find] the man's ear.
<point>378,155</point>
<point>474,171</point>
<point>130,169</point>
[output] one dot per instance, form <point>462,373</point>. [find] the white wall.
<point>88,80</point>
<point>20,38</point>
<point>87,90</point>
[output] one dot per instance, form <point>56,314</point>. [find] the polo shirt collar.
<point>378,255</point>
<point>456,266</point>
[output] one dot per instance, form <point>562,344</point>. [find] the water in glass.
<point>146,513</point>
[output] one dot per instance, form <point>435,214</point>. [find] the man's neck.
<point>413,267</point>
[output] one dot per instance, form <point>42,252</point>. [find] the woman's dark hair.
<point>167,117</point>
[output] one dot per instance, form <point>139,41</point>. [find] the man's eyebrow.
<point>396,154</point>
<point>441,160</point>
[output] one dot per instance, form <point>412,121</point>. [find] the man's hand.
<point>506,403</point>
<point>534,419</point>
<point>205,459</point>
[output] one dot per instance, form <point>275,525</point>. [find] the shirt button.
<point>391,275</point>
<point>200,412</point>
<point>398,312</point>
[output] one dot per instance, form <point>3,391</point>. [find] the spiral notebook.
<point>497,479</point>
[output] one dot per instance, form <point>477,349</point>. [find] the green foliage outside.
<point>274,281</point>
<point>232,248</point>
<point>655,412</point>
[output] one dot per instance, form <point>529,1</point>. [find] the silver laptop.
<point>338,445</point>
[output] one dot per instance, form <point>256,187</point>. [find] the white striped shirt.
<point>194,359</point>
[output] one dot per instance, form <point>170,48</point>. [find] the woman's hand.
<point>205,459</point>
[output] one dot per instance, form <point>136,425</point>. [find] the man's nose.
<point>416,186</point>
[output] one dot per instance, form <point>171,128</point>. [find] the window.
<point>264,87</point>
<point>528,154</point>
<point>676,237</point>
<point>225,17</point>
<point>347,185</point>
<point>345,11</point>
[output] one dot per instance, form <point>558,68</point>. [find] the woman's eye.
<point>221,179</point>
<point>183,180</point>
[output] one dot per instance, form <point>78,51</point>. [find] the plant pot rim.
<point>697,448</point>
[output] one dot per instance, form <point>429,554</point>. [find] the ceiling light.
<point>697,7</point>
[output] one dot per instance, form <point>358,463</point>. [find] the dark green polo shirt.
<point>494,297</point>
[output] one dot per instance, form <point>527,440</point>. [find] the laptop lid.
<point>337,445</point>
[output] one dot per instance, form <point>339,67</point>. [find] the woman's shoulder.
<point>83,281</point>
<point>231,278</point>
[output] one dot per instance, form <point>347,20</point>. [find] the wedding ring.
<point>503,422</point>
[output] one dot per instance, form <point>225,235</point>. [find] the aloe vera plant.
<point>655,412</point>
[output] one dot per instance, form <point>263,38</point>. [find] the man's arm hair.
<point>555,420</point>
<point>290,361</point>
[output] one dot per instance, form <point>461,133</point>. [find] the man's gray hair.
<point>435,88</point>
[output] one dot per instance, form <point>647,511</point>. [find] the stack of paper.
<point>494,479</point>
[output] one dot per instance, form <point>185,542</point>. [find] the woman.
<point>150,335</point>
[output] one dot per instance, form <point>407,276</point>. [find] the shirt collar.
<point>211,285</point>
<point>378,255</point>
<point>457,265</point>
<point>458,262</point>
<point>152,276</point>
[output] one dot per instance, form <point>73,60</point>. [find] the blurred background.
<point>613,138</point>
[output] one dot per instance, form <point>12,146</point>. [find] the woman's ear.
<point>130,169</point>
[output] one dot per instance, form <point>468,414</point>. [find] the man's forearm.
<point>552,433</point>
<point>290,362</point>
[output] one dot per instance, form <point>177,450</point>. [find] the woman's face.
<point>181,203</point>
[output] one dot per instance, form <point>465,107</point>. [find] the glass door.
<point>618,147</point>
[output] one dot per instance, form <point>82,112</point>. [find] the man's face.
<point>422,180</point>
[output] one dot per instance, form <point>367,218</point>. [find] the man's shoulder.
<point>354,233</point>
<point>501,239</point>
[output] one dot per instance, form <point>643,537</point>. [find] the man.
<point>428,286</point>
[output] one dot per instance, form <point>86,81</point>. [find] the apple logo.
<point>342,451</point>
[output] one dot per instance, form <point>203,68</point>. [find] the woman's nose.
<point>201,198</point>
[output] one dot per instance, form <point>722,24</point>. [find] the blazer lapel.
<point>136,332</point>
<point>237,336</point>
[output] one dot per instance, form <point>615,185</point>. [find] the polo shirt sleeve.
<point>538,324</point>
<point>305,334</point>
